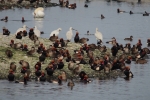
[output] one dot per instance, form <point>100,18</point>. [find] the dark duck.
<point>60,64</point>
<point>43,77</point>
<point>127,72</point>
<point>11,75</point>
<point>76,38</point>
<point>19,36</point>
<point>6,31</point>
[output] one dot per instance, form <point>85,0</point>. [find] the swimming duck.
<point>9,53</point>
<point>130,12</point>
<point>42,77</point>
<point>146,14</point>
<point>120,11</point>
<point>130,39</point>
<point>102,16</point>
<point>4,19</point>
<point>85,5</point>
<point>148,42</point>
<point>127,72</point>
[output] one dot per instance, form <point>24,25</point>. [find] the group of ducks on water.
<point>60,55</point>
<point>144,14</point>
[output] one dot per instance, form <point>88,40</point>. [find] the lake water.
<point>84,19</point>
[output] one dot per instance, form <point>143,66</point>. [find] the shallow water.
<point>84,19</point>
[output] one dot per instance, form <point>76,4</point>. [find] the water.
<point>84,19</point>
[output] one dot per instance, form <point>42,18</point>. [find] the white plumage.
<point>21,29</point>
<point>37,32</point>
<point>69,34</point>
<point>39,12</point>
<point>56,32</point>
<point>98,35</point>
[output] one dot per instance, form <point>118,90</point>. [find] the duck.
<point>42,77</point>
<point>127,72</point>
<point>85,5</point>
<point>21,29</point>
<point>102,16</point>
<point>9,53</point>
<point>60,64</point>
<point>16,45</point>
<point>88,33</point>
<point>11,76</point>
<point>24,63</point>
<point>113,41</point>
<point>71,65</point>
<point>30,52</point>
<point>72,6</point>
<point>6,31</point>
<point>25,47</point>
<point>13,66</point>
<point>120,11</point>
<point>71,83</point>
<point>76,38</point>
<point>53,38</point>
<point>146,14</point>
<point>130,12</point>
<point>130,39</point>
<point>4,19</point>
<point>19,36</point>
<point>83,40</point>
<point>148,42</point>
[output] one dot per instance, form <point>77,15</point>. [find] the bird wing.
<point>99,35</point>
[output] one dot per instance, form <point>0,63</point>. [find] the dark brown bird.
<point>83,40</point>
<point>9,53</point>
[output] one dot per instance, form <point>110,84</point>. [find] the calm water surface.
<point>84,19</point>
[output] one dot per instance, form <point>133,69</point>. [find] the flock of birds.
<point>107,62</point>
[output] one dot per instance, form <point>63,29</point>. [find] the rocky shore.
<point>25,4</point>
<point>33,59</point>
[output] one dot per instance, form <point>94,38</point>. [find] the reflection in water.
<point>39,23</point>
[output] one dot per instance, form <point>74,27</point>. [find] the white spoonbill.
<point>39,12</point>
<point>98,35</point>
<point>37,32</point>
<point>56,32</point>
<point>21,29</point>
<point>69,34</point>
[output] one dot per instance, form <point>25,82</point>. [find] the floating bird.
<point>120,11</point>
<point>69,34</point>
<point>56,32</point>
<point>39,13</point>
<point>37,32</point>
<point>130,39</point>
<point>102,16</point>
<point>21,29</point>
<point>131,12</point>
<point>85,5</point>
<point>98,35</point>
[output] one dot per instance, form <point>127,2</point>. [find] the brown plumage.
<point>130,39</point>
<point>83,40</point>
<point>16,45</point>
<point>24,64</point>
<point>31,51</point>
<point>13,66</point>
<point>9,53</point>
<point>53,38</point>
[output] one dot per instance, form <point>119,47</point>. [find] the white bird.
<point>37,32</point>
<point>56,32</point>
<point>21,29</point>
<point>39,13</point>
<point>98,35</point>
<point>69,34</point>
